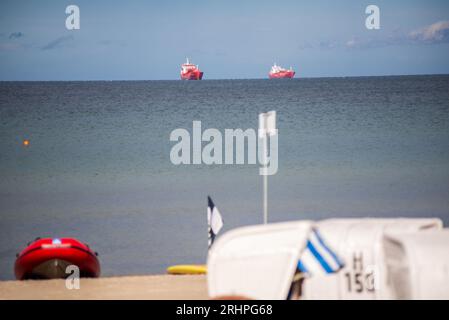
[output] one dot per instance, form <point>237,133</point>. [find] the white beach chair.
<point>257,262</point>
<point>418,265</point>
<point>359,244</point>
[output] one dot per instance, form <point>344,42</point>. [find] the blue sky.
<point>139,40</point>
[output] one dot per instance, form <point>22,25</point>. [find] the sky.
<point>228,39</point>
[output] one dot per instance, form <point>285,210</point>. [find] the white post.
<point>265,182</point>
<point>267,127</point>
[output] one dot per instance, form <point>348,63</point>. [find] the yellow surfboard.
<point>187,269</point>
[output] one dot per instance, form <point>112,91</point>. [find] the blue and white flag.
<point>214,220</point>
<point>318,257</point>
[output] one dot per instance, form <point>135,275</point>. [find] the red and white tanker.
<point>190,71</point>
<point>278,72</point>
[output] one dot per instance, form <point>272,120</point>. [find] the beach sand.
<point>128,287</point>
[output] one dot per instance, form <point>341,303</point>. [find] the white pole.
<point>265,182</point>
<point>265,199</point>
<point>267,127</point>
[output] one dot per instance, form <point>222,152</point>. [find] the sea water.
<point>97,166</point>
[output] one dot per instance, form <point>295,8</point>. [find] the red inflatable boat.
<point>48,259</point>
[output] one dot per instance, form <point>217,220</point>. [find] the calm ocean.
<point>98,163</point>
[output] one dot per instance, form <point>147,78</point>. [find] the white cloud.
<point>437,32</point>
<point>351,43</point>
<point>58,42</point>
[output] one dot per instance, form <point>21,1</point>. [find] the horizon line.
<point>227,79</point>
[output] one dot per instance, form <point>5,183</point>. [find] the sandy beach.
<point>128,287</point>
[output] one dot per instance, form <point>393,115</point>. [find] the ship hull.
<point>281,75</point>
<point>193,75</point>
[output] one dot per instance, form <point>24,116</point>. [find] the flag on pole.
<point>214,220</point>
<point>267,124</point>
<point>318,257</point>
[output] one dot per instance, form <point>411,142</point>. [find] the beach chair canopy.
<point>418,264</point>
<point>359,244</point>
<point>257,262</point>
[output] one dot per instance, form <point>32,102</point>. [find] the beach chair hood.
<point>257,262</point>
<point>418,264</point>
<point>359,243</point>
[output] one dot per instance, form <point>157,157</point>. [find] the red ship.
<point>278,72</point>
<point>48,259</point>
<point>190,71</point>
